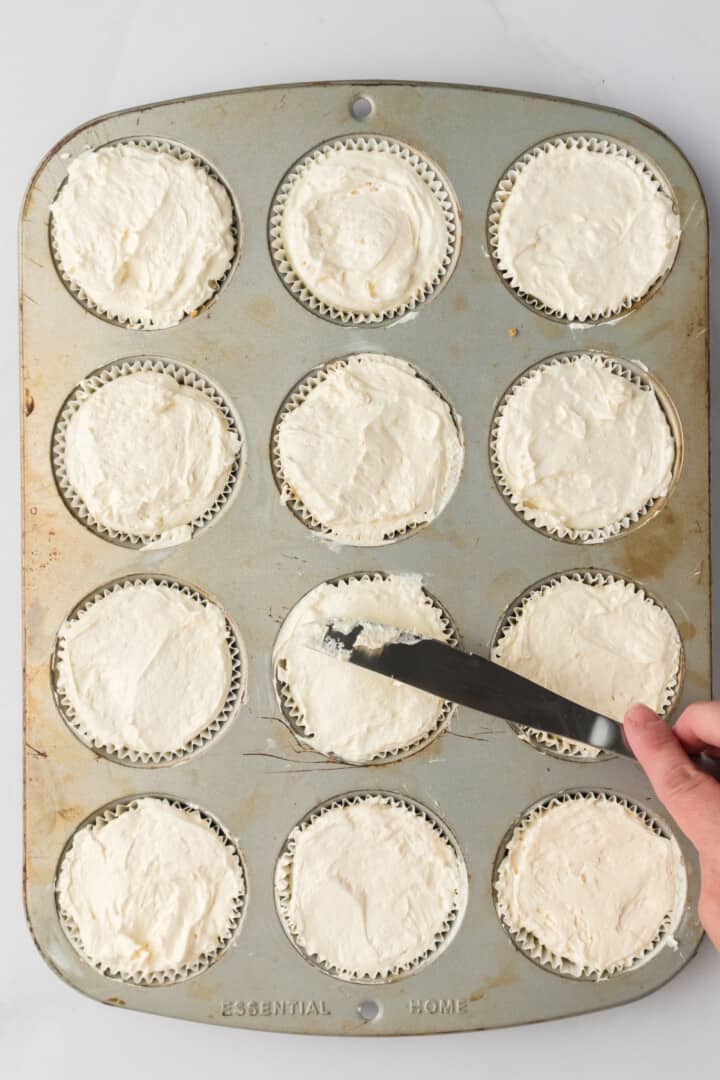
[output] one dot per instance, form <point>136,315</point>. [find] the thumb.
<point>690,795</point>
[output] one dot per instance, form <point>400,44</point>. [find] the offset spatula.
<point>465,678</point>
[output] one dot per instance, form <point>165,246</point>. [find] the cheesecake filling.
<point>604,645</point>
<point>153,890</point>
<point>593,884</point>
<point>344,710</point>
<point>585,232</point>
<point>149,456</point>
<point>371,887</point>
<point>363,231</point>
<point>144,234</point>
<point>370,450</point>
<point>145,668</point>
<point>580,447</point>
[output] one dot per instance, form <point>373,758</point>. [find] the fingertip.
<point>639,717</point>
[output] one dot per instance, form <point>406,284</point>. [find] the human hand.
<point>690,795</point>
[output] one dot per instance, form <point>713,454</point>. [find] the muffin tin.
<point>256,341</point>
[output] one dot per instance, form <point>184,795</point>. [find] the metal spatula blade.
<point>464,678</point>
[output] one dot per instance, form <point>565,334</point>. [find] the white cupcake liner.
<point>171,975</point>
<point>139,758</point>
<point>294,716</point>
<point>599,144</point>
<point>283,887</point>
<point>182,153</point>
<point>528,944</point>
<point>297,396</point>
<point>431,176</point>
<point>631,521</point>
<point>557,745</point>
<point>183,376</point>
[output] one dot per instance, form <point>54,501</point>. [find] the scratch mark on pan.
<point>34,750</point>
<point>321,767</point>
<point>276,757</point>
<point>473,738</point>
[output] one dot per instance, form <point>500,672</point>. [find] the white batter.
<point>371,887</point>
<point>581,448</point>
<point>145,235</point>
<point>363,231</point>
<point>584,232</point>
<point>145,668</point>
<point>151,890</point>
<point>370,450</point>
<point>148,456</point>
<point>345,710</point>
<point>603,645</point>
<point>592,882</point>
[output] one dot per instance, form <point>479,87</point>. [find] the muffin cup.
<point>140,758</point>
<point>598,144</point>
<point>300,392</point>
<point>283,878</point>
<point>425,169</point>
<point>622,526</point>
<point>171,975</point>
<point>530,946</point>
<point>182,153</point>
<point>556,745</point>
<point>183,376</point>
<point>293,715</point>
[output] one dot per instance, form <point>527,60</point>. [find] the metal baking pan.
<point>255,341</point>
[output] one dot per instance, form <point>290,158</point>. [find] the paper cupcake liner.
<point>556,745</point>
<point>297,396</point>
<point>628,522</point>
<point>172,975</point>
<point>528,944</point>
<point>294,716</point>
<point>598,144</point>
<point>143,759</point>
<point>283,886</point>
<point>183,376</point>
<point>425,169</point>
<point>182,153</point>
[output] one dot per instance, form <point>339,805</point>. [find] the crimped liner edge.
<point>124,755</point>
<point>283,879</point>
<point>597,144</point>
<point>527,943</point>
<point>293,714</point>
<point>638,517</point>
<point>183,376</point>
<point>169,976</point>
<point>300,392</point>
<point>556,744</point>
<point>182,153</point>
<point>425,169</point>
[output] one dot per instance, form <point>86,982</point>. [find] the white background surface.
<point>61,64</point>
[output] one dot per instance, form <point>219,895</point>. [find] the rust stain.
<point>506,976</point>
<point>114,1001</point>
<point>647,552</point>
<point>687,630</point>
<point>29,402</point>
<point>460,303</point>
<point>513,331</point>
<point>505,587</point>
<point>261,310</point>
